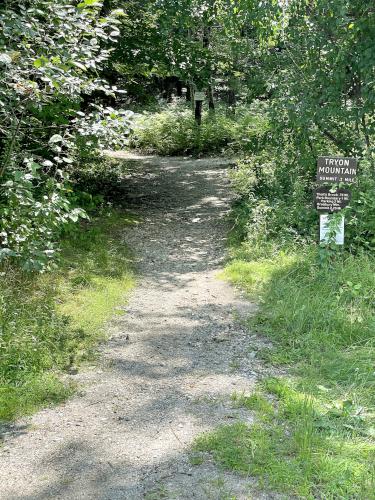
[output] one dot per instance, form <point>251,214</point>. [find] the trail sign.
<point>324,229</point>
<point>328,200</point>
<point>199,96</point>
<point>335,169</point>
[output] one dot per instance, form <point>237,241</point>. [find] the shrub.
<point>34,209</point>
<point>275,186</point>
<point>49,59</point>
<point>173,130</point>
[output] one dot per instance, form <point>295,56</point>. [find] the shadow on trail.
<point>170,379</point>
<point>106,479</point>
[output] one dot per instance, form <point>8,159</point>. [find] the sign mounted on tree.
<point>330,200</point>
<point>335,169</point>
<point>199,96</point>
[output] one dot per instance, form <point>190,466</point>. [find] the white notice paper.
<point>324,220</point>
<point>199,96</point>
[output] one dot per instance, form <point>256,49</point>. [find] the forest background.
<point>284,82</point>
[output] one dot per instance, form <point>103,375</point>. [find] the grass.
<point>315,429</point>
<point>54,321</point>
<point>172,130</point>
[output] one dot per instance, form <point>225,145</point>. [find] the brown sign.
<point>327,200</point>
<point>335,169</point>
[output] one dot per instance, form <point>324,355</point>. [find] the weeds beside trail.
<point>314,434</point>
<point>51,322</point>
<point>171,130</point>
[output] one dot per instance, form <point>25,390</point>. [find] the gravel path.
<point>168,371</point>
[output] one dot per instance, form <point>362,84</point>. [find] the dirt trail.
<point>169,369</point>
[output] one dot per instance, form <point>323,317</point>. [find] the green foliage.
<point>325,87</point>
<point>100,275</point>
<point>275,195</point>
<point>309,309</point>
<point>99,180</point>
<point>37,391</point>
<point>33,219</point>
<point>203,44</point>
<point>255,402</point>
<point>290,452</point>
<point>41,89</point>
<point>97,129</point>
<point>317,439</point>
<point>50,322</point>
<point>317,307</point>
<point>172,130</point>
<point>275,184</point>
<point>312,65</point>
<point>360,225</point>
<point>50,55</point>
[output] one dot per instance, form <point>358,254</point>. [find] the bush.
<point>275,185</point>
<point>98,180</point>
<point>173,131</point>
<point>35,210</point>
<point>42,91</point>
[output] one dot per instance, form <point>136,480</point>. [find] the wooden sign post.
<point>198,101</point>
<point>333,170</point>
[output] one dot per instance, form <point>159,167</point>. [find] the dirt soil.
<point>175,356</point>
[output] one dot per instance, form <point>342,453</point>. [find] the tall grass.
<point>50,323</point>
<point>315,428</point>
<point>321,318</point>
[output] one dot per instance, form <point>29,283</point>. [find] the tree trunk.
<point>211,102</point>
<point>232,100</point>
<point>198,112</point>
<point>179,88</point>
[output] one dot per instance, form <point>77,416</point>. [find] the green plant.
<point>316,439</point>
<point>255,402</point>
<point>99,180</point>
<point>34,209</point>
<point>172,130</point>
<point>295,450</point>
<point>51,322</point>
<point>50,54</point>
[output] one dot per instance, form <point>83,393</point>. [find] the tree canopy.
<point>69,70</point>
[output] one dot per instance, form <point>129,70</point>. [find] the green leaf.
<point>18,175</point>
<point>5,59</point>
<point>6,252</point>
<point>89,3</point>
<point>40,62</point>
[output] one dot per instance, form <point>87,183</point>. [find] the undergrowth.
<point>53,321</point>
<point>314,430</point>
<point>172,130</point>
